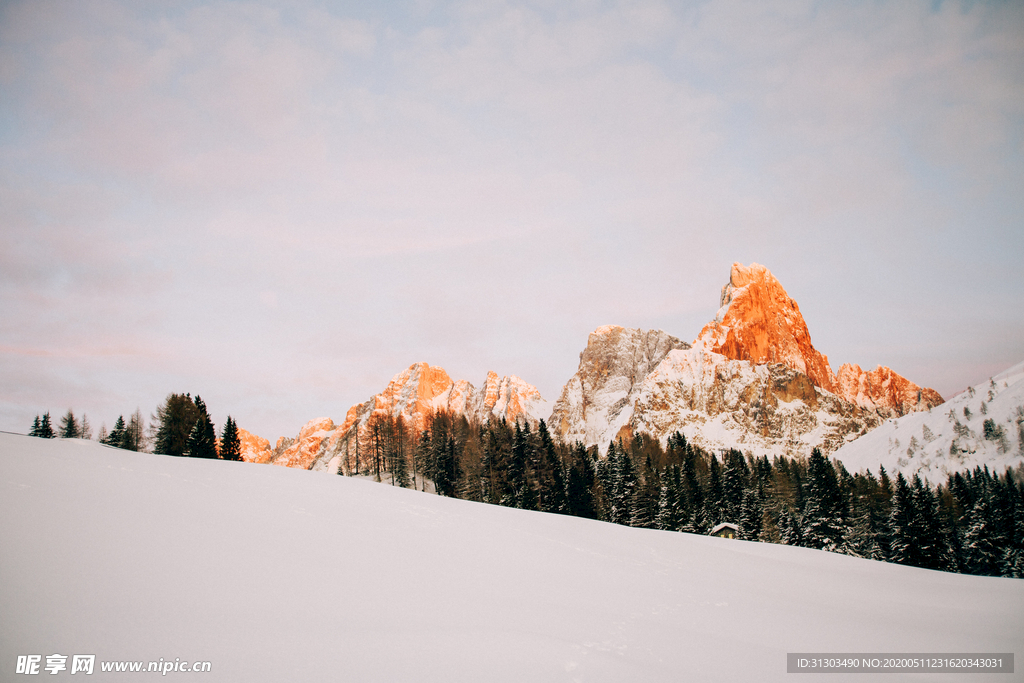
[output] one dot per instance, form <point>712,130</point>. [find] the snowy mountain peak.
<point>597,402</point>
<point>760,323</point>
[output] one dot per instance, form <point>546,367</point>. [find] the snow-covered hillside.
<point>276,574</point>
<point>951,437</point>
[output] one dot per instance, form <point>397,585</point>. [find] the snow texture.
<point>946,439</point>
<point>276,574</point>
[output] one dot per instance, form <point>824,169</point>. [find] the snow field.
<point>275,574</point>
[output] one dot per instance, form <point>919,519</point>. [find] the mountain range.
<point>750,380</point>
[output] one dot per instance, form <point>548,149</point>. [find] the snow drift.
<point>276,574</point>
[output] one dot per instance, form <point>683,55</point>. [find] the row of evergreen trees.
<point>973,523</point>
<point>181,426</point>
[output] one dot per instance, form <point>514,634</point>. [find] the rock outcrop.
<point>254,448</point>
<point>597,402</point>
<point>760,323</point>
<point>412,395</point>
<point>883,391</point>
<point>761,409</point>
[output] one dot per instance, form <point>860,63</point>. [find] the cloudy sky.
<point>280,205</point>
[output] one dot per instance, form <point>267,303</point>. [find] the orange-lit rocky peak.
<point>414,393</point>
<point>254,448</point>
<point>307,445</point>
<point>760,323</point>
<point>883,391</point>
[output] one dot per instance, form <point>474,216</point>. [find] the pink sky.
<point>278,206</point>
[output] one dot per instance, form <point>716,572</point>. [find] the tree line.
<point>180,426</point>
<point>972,523</point>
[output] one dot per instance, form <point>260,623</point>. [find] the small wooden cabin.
<point>725,530</point>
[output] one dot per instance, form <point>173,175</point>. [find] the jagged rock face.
<point>759,322</point>
<point>766,409</point>
<point>980,427</point>
<point>883,391</point>
<point>307,446</point>
<point>254,448</point>
<point>752,380</point>
<point>597,403</point>
<point>413,394</point>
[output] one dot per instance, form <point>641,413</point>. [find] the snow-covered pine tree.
<point>823,524</point>
<point>982,546</point>
<point>901,516</point>
<point>714,500</point>
<point>751,514</point>
<point>734,483</point>
<point>644,506</point>
<point>931,550</point>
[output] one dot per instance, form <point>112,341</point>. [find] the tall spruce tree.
<point>174,421</point>
<point>230,446</point>
<point>45,428</point>
<point>202,440</point>
<point>36,427</point>
<point>823,524</point>
<point>116,437</point>
<point>68,426</point>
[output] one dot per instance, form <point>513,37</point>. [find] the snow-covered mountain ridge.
<point>276,575</point>
<point>413,395</point>
<point>980,427</point>
<point>751,380</point>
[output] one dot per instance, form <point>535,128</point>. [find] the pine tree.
<point>116,436</point>
<point>68,426</point>
<point>446,468</point>
<point>715,499</point>
<point>823,524</point>
<point>671,515</point>
<point>230,446</point>
<point>931,551</point>
<point>983,553</point>
<point>751,515</point>
<point>551,480</point>
<point>36,427</point>
<point>580,482</point>
<point>174,421</point>
<point>202,440</point>
<point>901,528</point>
<point>644,508</point>
<point>45,428</point>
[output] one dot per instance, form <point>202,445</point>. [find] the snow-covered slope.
<point>947,439</point>
<point>275,574</point>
